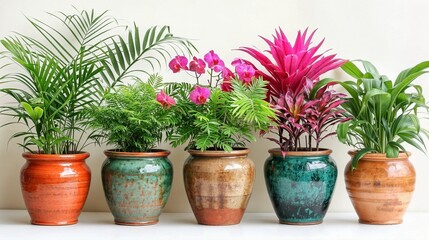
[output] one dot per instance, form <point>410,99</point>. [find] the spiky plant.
<point>291,72</point>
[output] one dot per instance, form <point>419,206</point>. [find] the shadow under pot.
<point>137,185</point>
<point>381,188</point>
<point>300,185</point>
<point>55,187</point>
<point>218,185</point>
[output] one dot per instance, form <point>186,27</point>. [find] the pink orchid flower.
<point>213,61</point>
<point>237,61</point>
<point>165,100</point>
<point>199,95</point>
<point>197,65</point>
<point>178,63</point>
<point>227,74</point>
<point>226,86</point>
<point>245,72</point>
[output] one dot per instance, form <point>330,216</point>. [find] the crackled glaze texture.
<point>137,185</point>
<point>300,185</point>
<point>380,188</point>
<point>218,185</point>
<point>55,187</point>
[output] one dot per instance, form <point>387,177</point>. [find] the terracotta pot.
<point>55,187</point>
<point>380,188</point>
<point>218,185</point>
<point>137,185</point>
<point>300,185</point>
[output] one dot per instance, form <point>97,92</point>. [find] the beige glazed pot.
<point>380,188</point>
<point>218,185</point>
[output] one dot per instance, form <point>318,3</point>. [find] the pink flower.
<point>178,63</point>
<point>227,74</point>
<point>226,86</point>
<point>213,61</point>
<point>237,61</point>
<point>199,95</point>
<point>197,65</point>
<point>165,100</point>
<point>245,72</point>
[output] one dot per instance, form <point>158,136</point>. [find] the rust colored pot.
<point>55,187</point>
<point>380,188</point>
<point>218,185</point>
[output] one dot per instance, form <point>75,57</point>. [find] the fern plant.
<point>131,119</point>
<point>222,113</point>
<point>70,68</point>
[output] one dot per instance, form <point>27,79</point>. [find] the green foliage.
<point>125,54</point>
<point>131,118</point>
<point>383,113</point>
<point>69,69</point>
<point>227,120</point>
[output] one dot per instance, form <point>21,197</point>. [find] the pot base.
<point>41,223</point>
<point>219,217</point>
<point>392,222</point>
<point>142,223</point>
<point>300,223</point>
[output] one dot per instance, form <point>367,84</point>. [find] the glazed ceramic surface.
<point>380,188</point>
<point>218,185</point>
<point>300,185</point>
<point>137,185</point>
<point>55,187</point>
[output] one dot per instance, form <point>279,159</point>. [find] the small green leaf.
<point>392,151</point>
<point>38,112</point>
<point>342,131</point>
<point>359,156</point>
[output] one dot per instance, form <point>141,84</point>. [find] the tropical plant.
<point>133,117</point>
<point>305,110</point>
<point>61,71</point>
<point>383,114</point>
<point>222,113</point>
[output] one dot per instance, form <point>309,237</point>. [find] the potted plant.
<point>300,175</point>
<point>136,176</point>
<point>383,116</point>
<point>216,117</point>
<point>63,74</point>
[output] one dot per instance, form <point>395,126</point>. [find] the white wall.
<point>392,34</point>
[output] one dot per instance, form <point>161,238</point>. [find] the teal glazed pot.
<point>137,185</point>
<point>300,185</point>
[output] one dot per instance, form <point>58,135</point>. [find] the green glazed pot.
<point>300,185</point>
<point>137,185</point>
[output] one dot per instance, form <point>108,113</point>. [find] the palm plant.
<point>383,114</point>
<point>60,75</point>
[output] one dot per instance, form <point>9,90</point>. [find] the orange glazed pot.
<point>380,188</point>
<point>55,187</point>
<point>218,185</point>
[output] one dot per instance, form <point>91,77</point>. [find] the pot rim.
<point>380,156</point>
<point>219,153</point>
<point>155,153</point>
<point>80,156</point>
<point>321,152</point>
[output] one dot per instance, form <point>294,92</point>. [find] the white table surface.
<point>14,224</point>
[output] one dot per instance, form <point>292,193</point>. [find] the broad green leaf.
<point>407,72</point>
<point>359,155</point>
<point>352,70</point>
